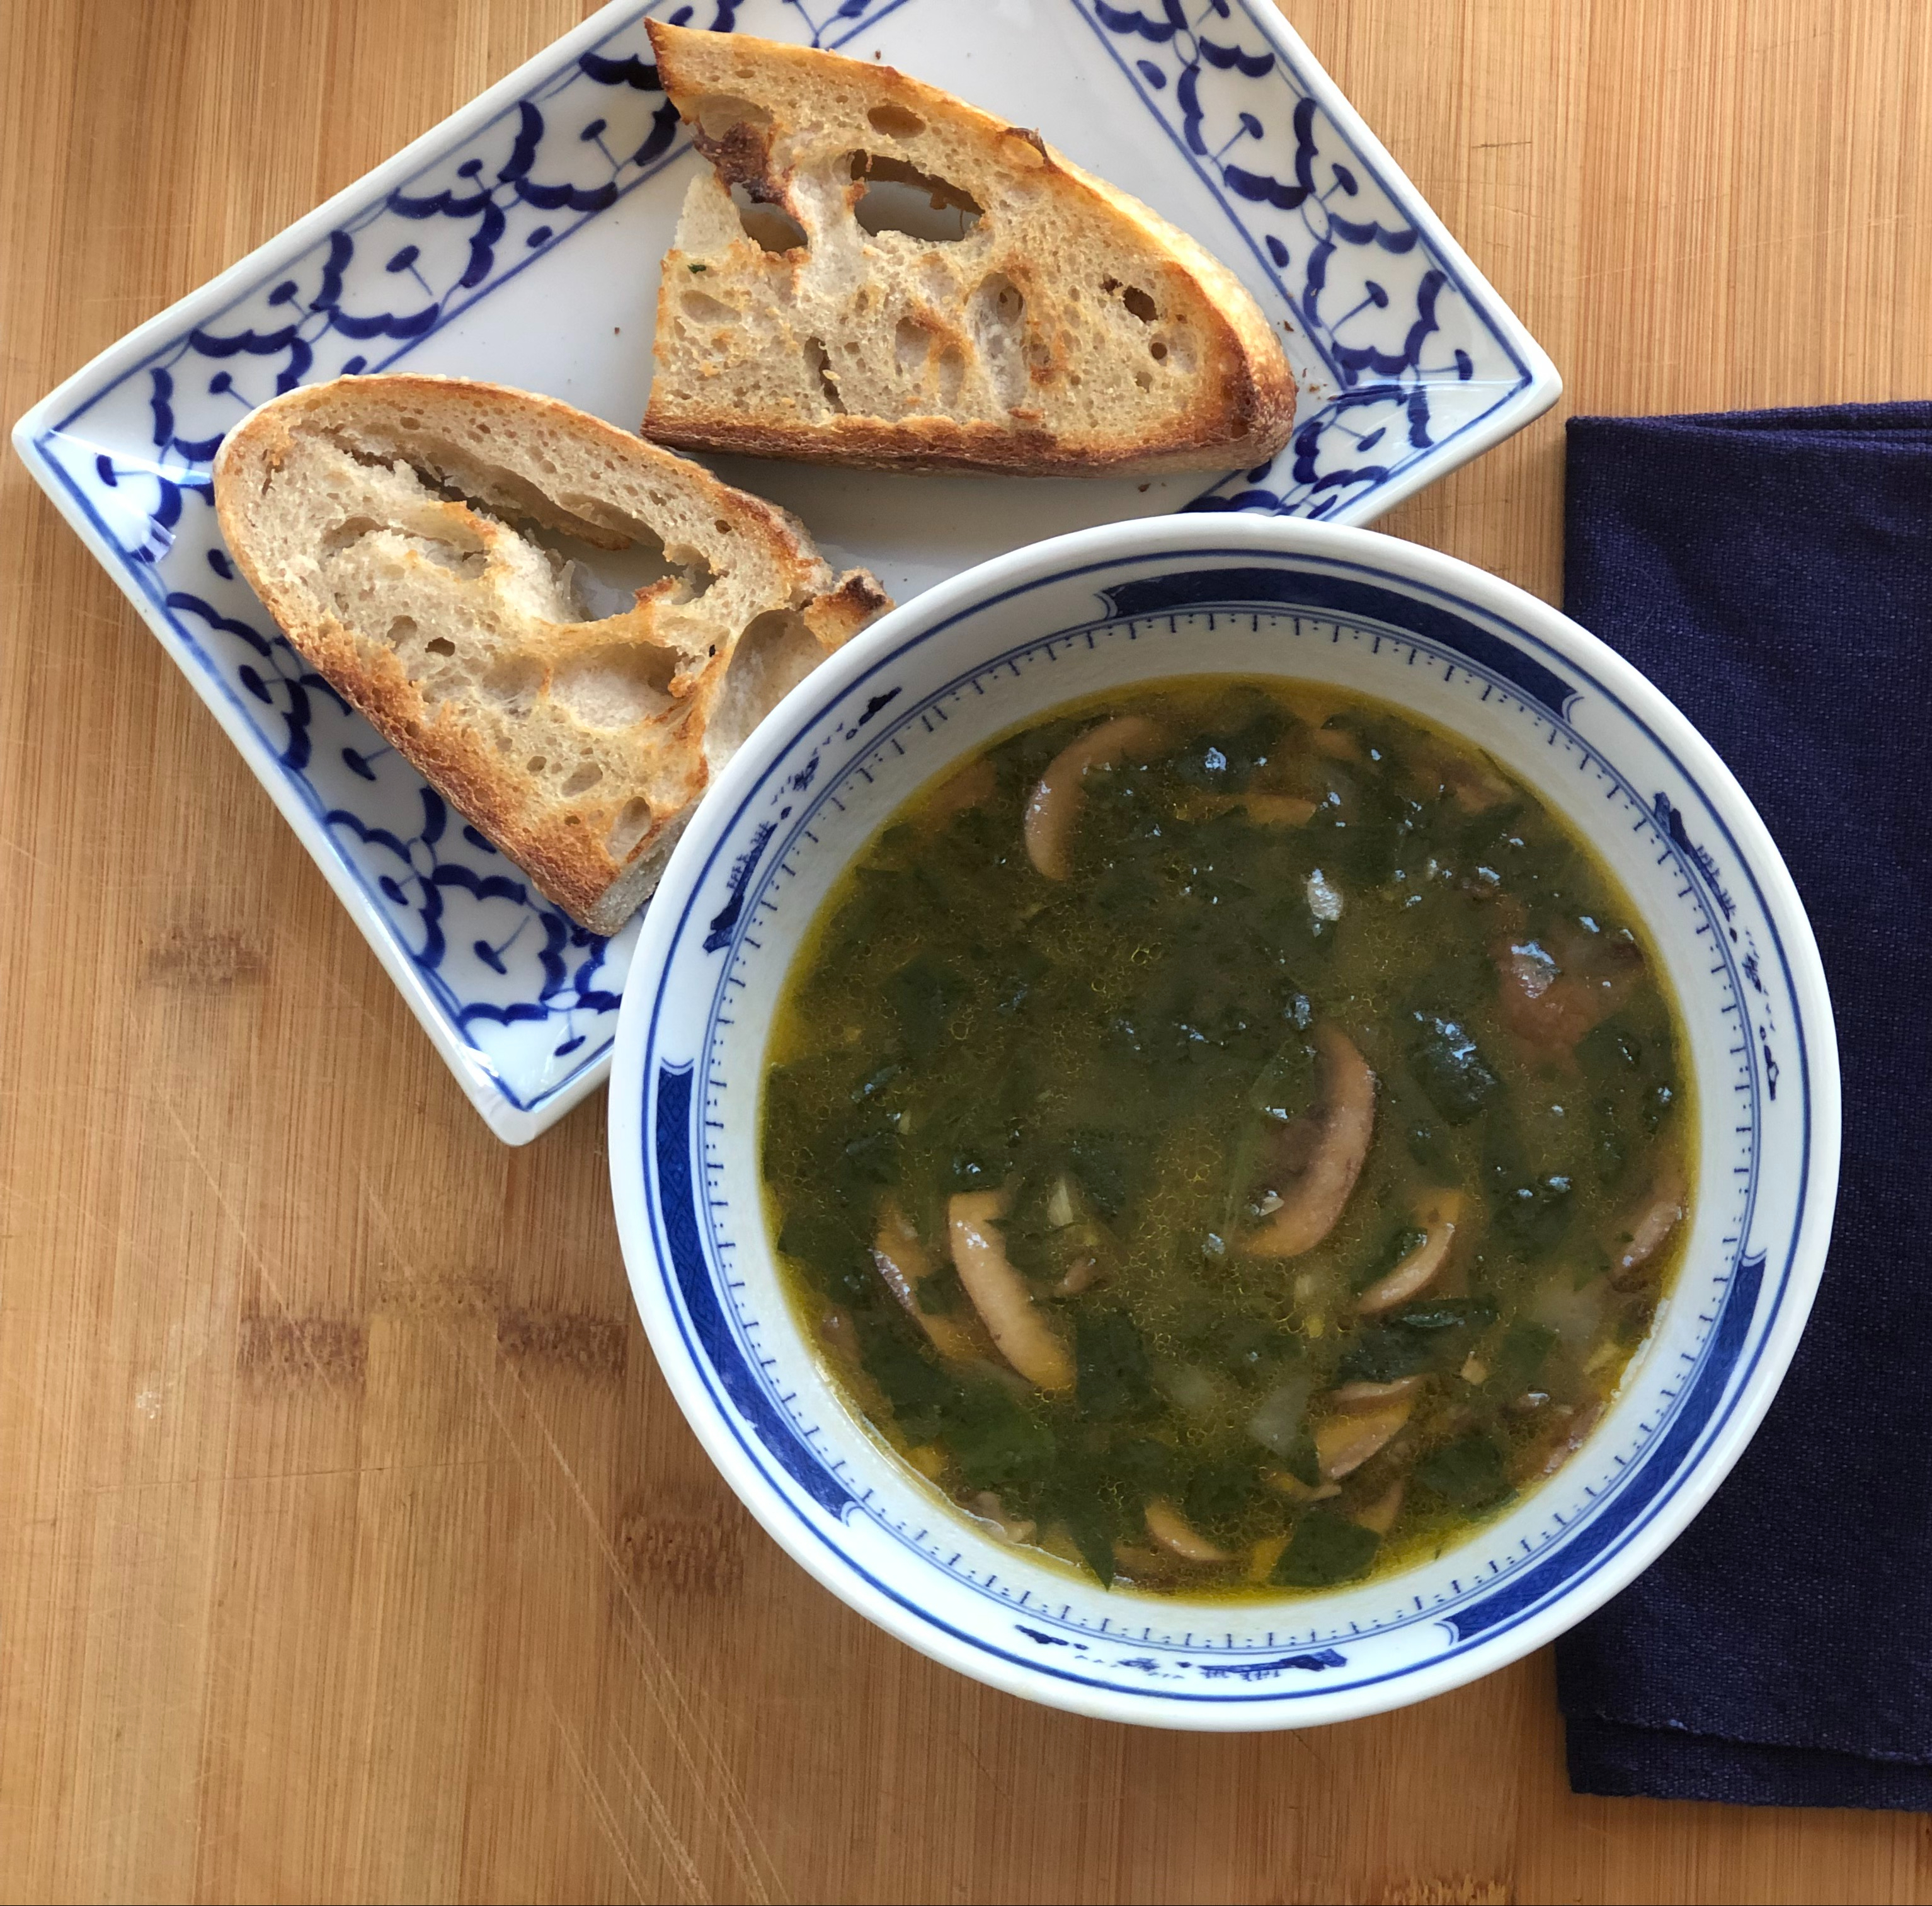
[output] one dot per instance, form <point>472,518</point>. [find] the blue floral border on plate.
<point>526,999</point>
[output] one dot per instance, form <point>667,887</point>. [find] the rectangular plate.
<point>557,192</point>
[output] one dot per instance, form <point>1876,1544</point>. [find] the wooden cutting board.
<point>350,1546</point>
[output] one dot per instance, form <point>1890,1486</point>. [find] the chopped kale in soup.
<point>1229,1136</point>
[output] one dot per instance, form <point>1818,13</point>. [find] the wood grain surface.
<point>350,1545</point>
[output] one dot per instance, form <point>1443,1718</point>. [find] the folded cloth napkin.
<point>1771,572</point>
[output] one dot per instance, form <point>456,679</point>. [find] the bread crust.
<point>763,564</point>
<point>934,446</point>
<point>1241,396</point>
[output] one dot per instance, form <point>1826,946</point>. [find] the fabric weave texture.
<point>1771,572</point>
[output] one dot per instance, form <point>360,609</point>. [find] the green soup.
<point>1229,1135</point>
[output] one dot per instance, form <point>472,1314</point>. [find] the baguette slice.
<point>1047,325</point>
<point>422,541</point>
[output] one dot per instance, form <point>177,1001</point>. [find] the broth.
<point>1228,1135</point>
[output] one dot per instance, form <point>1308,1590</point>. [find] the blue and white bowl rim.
<point>1747,1347</point>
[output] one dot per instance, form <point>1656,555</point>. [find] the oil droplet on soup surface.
<point>1229,1136</point>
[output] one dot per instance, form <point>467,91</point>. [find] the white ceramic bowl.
<point>1134,602</point>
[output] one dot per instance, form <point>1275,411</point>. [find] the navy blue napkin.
<point>1771,572</point>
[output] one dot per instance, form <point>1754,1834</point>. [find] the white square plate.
<point>518,242</point>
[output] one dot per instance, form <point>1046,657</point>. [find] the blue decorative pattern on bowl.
<point>1056,624</point>
<point>454,256</point>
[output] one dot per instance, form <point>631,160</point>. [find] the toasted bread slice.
<point>1025,317</point>
<point>424,542</point>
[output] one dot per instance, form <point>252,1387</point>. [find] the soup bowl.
<point>1134,603</point>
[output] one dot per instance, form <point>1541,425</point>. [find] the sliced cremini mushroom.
<point>1380,1514</point>
<point>1345,1441</point>
<point>1082,1274</point>
<point>1338,744</point>
<point>837,1333</point>
<point>902,1262</point>
<point>1434,769</point>
<point>1264,808</point>
<point>1284,1484</point>
<point>976,783</point>
<point>1262,1556</point>
<point>1053,809</point>
<point>1074,1232</point>
<point>1025,1338</point>
<point>1134,1562</point>
<point>1555,988</point>
<point>1337,1136</point>
<point>1173,1531</point>
<point>987,1507</point>
<point>1474,790</point>
<point>1437,1218</point>
<point>1267,810</point>
<point>1648,1225</point>
<point>1372,1396</point>
<point>993,1368</point>
<point>1568,1428</point>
